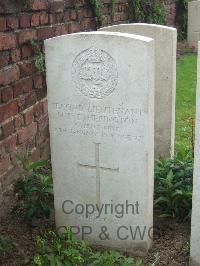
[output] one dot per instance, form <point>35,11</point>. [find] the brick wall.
<point>23,104</point>
<point>171,12</point>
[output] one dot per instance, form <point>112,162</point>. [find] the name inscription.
<point>99,121</point>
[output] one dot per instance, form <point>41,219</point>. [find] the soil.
<point>170,246</point>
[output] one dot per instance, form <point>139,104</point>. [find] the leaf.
<point>161,200</point>
<point>38,164</point>
<point>169,177</point>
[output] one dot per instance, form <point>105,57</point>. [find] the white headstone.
<point>165,81</point>
<point>101,111</point>
<point>193,23</point>
<point>195,230</point>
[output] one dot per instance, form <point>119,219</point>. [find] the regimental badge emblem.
<point>95,73</point>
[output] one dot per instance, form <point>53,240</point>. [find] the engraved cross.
<point>98,169</point>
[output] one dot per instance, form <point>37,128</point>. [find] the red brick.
<point>30,144</point>
<point>107,20</point>
<point>22,86</point>
<point>61,29</point>
<point>45,106</point>
<point>52,19</point>
<point>66,15</point>
<point>7,179</point>
<point>35,155</point>
<point>10,143</point>
<point>9,74</point>
<point>20,151</point>
<point>2,149</point>
<point>116,17</point>
<point>8,110</point>
<point>45,33</point>
<point>38,110</point>
<point>35,19</point>
<point>19,121</point>
<point>59,18</point>
<point>124,16</point>
<point>4,58</point>
<point>73,27</point>
<point>44,18</point>
<point>42,136</point>
<point>4,163</point>
<point>21,102</point>
<point>43,122</point>
<point>7,41</point>
<point>88,24</point>
<point>30,99</point>
<point>73,15</point>
<point>27,35</point>
<point>45,150</point>
<point>89,13</point>
<point>80,14</point>
<point>41,93</point>
<point>15,55</point>
<point>28,116</point>
<point>2,23</point>
<point>25,68</point>
<point>38,82</point>
<point>8,128</point>
<point>26,51</point>
<point>56,6</point>
<point>7,94</point>
<point>69,3</point>
<point>12,22</point>
<point>24,21</point>
<point>106,10</point>
<point>27,133</point>
<point>39,4</point>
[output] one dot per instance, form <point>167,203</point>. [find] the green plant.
<point>5,245</point>
<point>58,250</point>
<point>182,18</point>
<point>40,57</point>
<point>148,11</point>
<point>97,5</point>
<point>35,190</point>
<point>173,187</point>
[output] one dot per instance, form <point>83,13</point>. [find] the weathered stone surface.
<point>195,227</point>
<point>101,111</point>
<point>165,81</point>
<point>193,23</point>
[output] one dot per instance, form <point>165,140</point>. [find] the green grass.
<point>185,101</point>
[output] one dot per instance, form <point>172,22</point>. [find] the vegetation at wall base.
<point>40,56</point>
<point>35,191</point>
<point>182,18</point>
<point>98,6</point>
<point>148,11</point>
